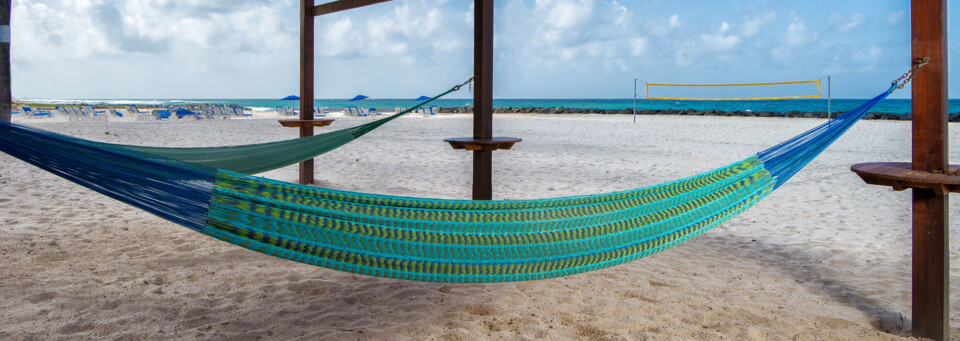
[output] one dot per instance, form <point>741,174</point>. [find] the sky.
<point>140,49</point>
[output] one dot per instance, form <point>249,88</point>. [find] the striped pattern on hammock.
<point>475,241</point>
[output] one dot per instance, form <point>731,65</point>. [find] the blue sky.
<point>80,49</point>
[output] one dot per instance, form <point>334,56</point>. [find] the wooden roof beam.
<point>342,5</point>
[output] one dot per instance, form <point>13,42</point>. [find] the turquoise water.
<point>896,106</point>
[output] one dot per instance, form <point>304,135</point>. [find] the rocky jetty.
<point>954,117</point>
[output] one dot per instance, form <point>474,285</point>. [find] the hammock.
<point>425,239</point>
<point>262,157</point>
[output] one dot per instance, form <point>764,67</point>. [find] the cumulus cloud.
<point>719,41</point>
<point>753,25</point>
<point>847,22</point>
<point>234,48</point>
<point>896,17</point>
<point>798,33</point>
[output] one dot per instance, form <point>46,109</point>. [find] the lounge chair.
<point>355,111</point>
<point>320,112</point>
<point>373,111</point>
<point>181,113</point>
<point>284,111</point>
<point>241,112</point>
<point>34,113</point>
<point>162,114</point>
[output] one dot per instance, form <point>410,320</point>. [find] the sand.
<point>824,257</point>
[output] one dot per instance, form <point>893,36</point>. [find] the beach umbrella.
<point>421,99</point>
<point>359,98</point>
<point>291,98</point>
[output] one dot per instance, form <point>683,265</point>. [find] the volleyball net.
<point>735,92</point>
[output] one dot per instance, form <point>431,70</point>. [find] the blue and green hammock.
<point>424,239</point>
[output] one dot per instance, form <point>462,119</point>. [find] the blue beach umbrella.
<point>291,98</point>
<point>421,99</point>
<point>359,98</point>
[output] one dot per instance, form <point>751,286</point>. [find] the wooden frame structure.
<point>483,143</point>
<point>308,11</point>
<point>925,175</point>
<point>929,175</point>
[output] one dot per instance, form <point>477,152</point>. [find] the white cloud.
<point>639,46</point>
<point>717,42</point>
<point>753,25</point>
<point>798,33</point>
<point>845,23</point>
<point>243,48</point>
<point>896,17</point>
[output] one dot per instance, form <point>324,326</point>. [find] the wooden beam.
<point>306,81</point>
<point>5,90</point>
<point>342,5</point>
<point>931,265</point>
<point>483,98</point>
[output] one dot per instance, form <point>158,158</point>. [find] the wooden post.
<point>483,98</point>
<point>931,265</point>
<point>306,81</point>
<point>5,88</point>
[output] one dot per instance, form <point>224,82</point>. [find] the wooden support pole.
<point>306,81</point>
<point>483,98</point>
<point>5,89</point>
<point>931,265</point>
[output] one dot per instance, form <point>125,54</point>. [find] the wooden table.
<point>317,122</point>
<point>900,176</point>
<point>495,143</point>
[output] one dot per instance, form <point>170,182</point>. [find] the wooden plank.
<point>495,143</point>
<point>931,266</point>
<point>342,5</point>
<point>5,89</point>
<point>306,82</point>
<point>483,97</point>
<point>320,122</point>
<point>901,176</point>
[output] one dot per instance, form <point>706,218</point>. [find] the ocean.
<point>893,106</point>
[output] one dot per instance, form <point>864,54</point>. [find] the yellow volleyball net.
<point>735,92</point>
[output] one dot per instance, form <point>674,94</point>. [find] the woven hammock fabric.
<point>425,239</point>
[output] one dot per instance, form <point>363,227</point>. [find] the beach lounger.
<point>284,111</point>
<point>355,111</point>
<point>162,114</point>
<point>373,111</point>
<point>241,112</point>
<point>320,112</point>
<point>181,113</point>
<point>34,113</point>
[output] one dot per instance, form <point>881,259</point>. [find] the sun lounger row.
<point>425,111</point>
<point>317,111</point>
<point>357,111</point>
<point>34,113</point>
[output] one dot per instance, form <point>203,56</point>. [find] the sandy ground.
<point>824,257</point>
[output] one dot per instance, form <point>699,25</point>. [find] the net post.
<point>634,100</point>
<point>829,99</point>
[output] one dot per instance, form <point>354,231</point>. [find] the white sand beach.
<point>825,257</point>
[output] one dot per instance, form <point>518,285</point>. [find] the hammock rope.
<point>425,239</point>
<point>262,157</point>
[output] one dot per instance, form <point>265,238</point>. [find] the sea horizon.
<point>894,106</point>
